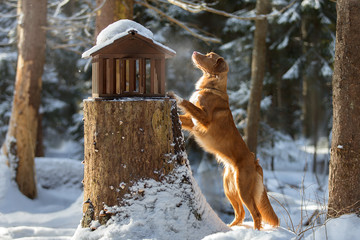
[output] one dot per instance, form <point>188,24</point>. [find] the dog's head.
<point>210,63</point>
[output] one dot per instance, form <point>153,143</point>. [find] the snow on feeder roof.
<point>127,61</point>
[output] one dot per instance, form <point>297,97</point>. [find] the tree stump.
<point>137,178</point>
<point>125,141</point>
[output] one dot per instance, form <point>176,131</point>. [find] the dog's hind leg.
<point>232,194</point>
<point>246,188</point>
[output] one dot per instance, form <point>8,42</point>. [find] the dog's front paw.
<point>172,95</point>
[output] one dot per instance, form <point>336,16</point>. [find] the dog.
<point>208,117</point>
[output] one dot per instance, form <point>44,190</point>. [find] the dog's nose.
<point>195,52</point>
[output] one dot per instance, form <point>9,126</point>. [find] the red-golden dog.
<point>208,117</point>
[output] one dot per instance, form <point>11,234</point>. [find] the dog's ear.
<point>220,66</point>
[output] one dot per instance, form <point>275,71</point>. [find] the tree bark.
<point>20,142</point>
<point>111,11</point>
<point>39,149</point>
<point>126,141</point>
<point>344,176</point>
<point>257,75</point>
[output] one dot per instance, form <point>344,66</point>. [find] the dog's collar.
<point>212,75</point>
<point>211,89</point>
<point>216,91</point>
<point>207,88</point>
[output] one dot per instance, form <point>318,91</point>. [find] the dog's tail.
<point>262,201</point>
<point>267,212</point>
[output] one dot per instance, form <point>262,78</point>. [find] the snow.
<point>293,72</point>
<point>246,233</point>
<point>326,70</point>
<point>122,27</point>
<point>54,214</point>
<point>8,56</point>
<point>284,43</point>
<point>118,30</point>
<point>311,3</point>
<point>345,228</point>
<point>290,15</point>
<point>160,213</point>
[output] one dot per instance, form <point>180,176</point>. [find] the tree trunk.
<point>344,176</point>
<point>20,142</point>
<point>39,149</point>
<point>126,141</point>
<point>111,11</point>
<point>312,106</point>
<point>257,75</point>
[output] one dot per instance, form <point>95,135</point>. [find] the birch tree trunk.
<point>344,176</point>
<point>111,11</point>
<point>20,142</point>
<point>257,75</point>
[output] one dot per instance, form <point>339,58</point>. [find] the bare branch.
<point>177,22</point>
<point>78,17</point>
<point>196,8</point>
<point>67,45</point>
<point>59,6</point>
<point>188,6</point>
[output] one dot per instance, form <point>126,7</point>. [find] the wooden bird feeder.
<point>132,65</point>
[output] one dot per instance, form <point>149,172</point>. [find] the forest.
<point>292,87</point>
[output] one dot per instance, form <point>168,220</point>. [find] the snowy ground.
<point>54,214</point>
<point>57,211</point>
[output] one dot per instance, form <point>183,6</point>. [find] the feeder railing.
<point>128,76</point>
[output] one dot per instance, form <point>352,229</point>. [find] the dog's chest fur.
<point>194,99</point>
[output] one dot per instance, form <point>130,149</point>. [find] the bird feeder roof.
<point>127,37</point>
